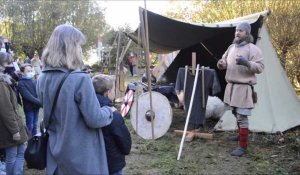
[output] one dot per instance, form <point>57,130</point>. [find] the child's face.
<point>28,69</point>
<point>28,72</point>
<point>111,94</point>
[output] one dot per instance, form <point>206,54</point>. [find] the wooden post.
<point>145,38</point>
<point>203,88</point>
<point>193,62</point>
<point>184,85</point>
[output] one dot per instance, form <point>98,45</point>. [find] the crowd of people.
<point>87,123</point>
<point>87,135</point>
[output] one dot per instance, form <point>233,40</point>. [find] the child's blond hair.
<point>102,83</point>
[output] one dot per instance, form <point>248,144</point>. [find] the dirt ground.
<point>267,153</point>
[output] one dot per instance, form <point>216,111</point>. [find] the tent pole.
<point>117,73</point>
<point>124,52</point>
<point>144,26</point>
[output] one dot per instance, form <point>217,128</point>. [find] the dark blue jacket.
<point>117,139</point>
<point>27,89</point>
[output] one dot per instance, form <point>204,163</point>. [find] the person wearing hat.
<point>242,61</point>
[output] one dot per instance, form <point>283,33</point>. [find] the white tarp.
<point>164,61</point>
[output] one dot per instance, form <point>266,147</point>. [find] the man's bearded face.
<point>240,36</point>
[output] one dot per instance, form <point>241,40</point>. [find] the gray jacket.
<point>76,144</point>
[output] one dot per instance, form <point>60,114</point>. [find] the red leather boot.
<point>244,137</point>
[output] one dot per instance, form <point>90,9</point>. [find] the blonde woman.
<point>76,144</point>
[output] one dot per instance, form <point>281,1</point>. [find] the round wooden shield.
<point>140,115</point>
<point>127,103</point>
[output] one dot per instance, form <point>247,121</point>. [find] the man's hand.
<point>17,136</point>
<point>221,64</point>
<point>240,60</point>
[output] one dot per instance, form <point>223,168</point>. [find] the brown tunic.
<point>238,92</point>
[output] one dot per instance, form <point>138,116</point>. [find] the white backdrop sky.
<point>118,13</point>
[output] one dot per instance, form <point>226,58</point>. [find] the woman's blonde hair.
<point>64,48</point>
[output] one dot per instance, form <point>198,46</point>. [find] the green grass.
<point>265,154</point>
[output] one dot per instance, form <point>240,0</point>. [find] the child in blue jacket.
<point>31,104</point>
<point>116,135</point>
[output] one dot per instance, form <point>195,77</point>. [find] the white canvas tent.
<point>278,107</point>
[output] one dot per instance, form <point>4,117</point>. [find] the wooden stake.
<point>189,113</point>
<point>184,85</point>
<point>191,134</point>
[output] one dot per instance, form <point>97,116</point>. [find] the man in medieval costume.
<point>243,60</point>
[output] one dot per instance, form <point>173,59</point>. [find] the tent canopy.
<point>167,35</point>
<point>208,40</point>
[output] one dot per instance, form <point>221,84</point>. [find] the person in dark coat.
<point>27,60</point>
<point>31,103</point>
<point>13,132</point>
<point>116,135</point>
